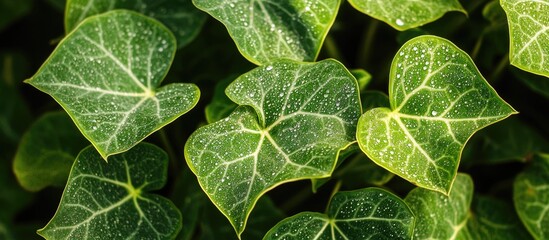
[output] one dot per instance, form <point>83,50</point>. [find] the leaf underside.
<point>301,116</point>
<point>110,200</point>
<point>266,30</point>
<point>106,74</point>
<point>403,15</point>
<point>438,100</point>
<point>369,213</point>
<point>529,34</point>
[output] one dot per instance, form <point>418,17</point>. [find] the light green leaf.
<point>266,30</point>
<point>305,113</point>
<point>439,216</point>
<point>403,15</point>
<point>438,100</point>
<point>531,197</point>
<point>106,75</point>
<point>369,213</point>
<point>529,34</point>
<point>180,16</point>
<point>362,77</point>
<point>111,200</point>
<point>47,151</point>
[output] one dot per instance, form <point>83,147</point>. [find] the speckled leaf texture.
<point>180,16</point>
<point>369,213</point>
<point>438,100</point>
<point>266,30</point>
<point>531,197</point>
<point>110,200</point>
<point>299,116</point>
<point>405,14</point>
<point>529,34</point>
<point>106,75</point>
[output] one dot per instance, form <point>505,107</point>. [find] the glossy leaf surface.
<point>111,200</point>
<point>266,30</point>
<point>46,152</point>
<point>529,34</point>
<point>180,16</point>
<point>305,113</point>
<point>403,15</point>
<point>438,100</point>
<point>531,197</point>
<point>106,75</point>
<point>369,213</point>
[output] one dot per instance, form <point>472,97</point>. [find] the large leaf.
<point>110,200</point>
<point>454,217</point>
<point>180,16</point>
<point>438,100</point>
<point>529,34</point>
<point>369,213</point>
<point>47,151</point>
<point>305,113</point>
<point>265,30</point>
<point>531,197</point>
<point>106,74</point>
<point>406,14</point>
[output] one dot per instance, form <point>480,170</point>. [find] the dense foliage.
<point>291,119</point>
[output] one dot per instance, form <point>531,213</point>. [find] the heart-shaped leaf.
<point>110,200</point>
<point>305,113</point>
<point>180,16</point>
<point>438,100</point>
<point>529,34</point>
<point>46,152</point>
<point>265,30</point>
<point>406,14</point>
<point>369,213</point>
<point>531,197</point>
<point>106,74</point>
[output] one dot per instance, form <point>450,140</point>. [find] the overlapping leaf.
<point>106,75</point>
<point>266,30</point>
<point>529,34</point>
<point>110,200</point>
<point>438,100</point>
<point>531,197</point>
<point>406,14</point>
<point>47,151</point>
<point>369,213</point>
<point>305,113</point>
<point>180,16</point>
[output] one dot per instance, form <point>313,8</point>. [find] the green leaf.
<point>305,113</point>
<point>363,78</point>
<point>369,213</point>
<point>266,30</point>
<point>374,99</point>
<point>110,200</point>
<point>221,106</point>
<point>529,34</point>
<point>439,216</point>
<point>47,151</point>
<point>438,100</point>
<point>531,197</point>
<point>180,16</point>
<point>106,73</point>
<point>403,15</point>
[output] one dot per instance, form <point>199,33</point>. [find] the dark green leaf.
<point>221,106</point>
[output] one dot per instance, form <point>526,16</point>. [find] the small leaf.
<point>363,78</point>
<point>369,213</point>
<point>110,200</point>
<point>106,73</point>
<point>438,100</point>
<point>439,216</point>
<point>47,151</point>
<point>305,113</point>
<point>180,16</point>
<point>265,30</point>
<point>529,34</point>
<point>531,197</point>
<point>403,15</point>
<point>220,106</point>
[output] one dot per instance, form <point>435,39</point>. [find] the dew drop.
<point>399,22</point>
<point>434,113</point>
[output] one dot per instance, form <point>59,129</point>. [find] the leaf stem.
<point>332,49</point>
<point>363,57</point>
<point>169,149</point>
<point>334,191</point>
<point>477,46</point>
<point>499,68</point>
